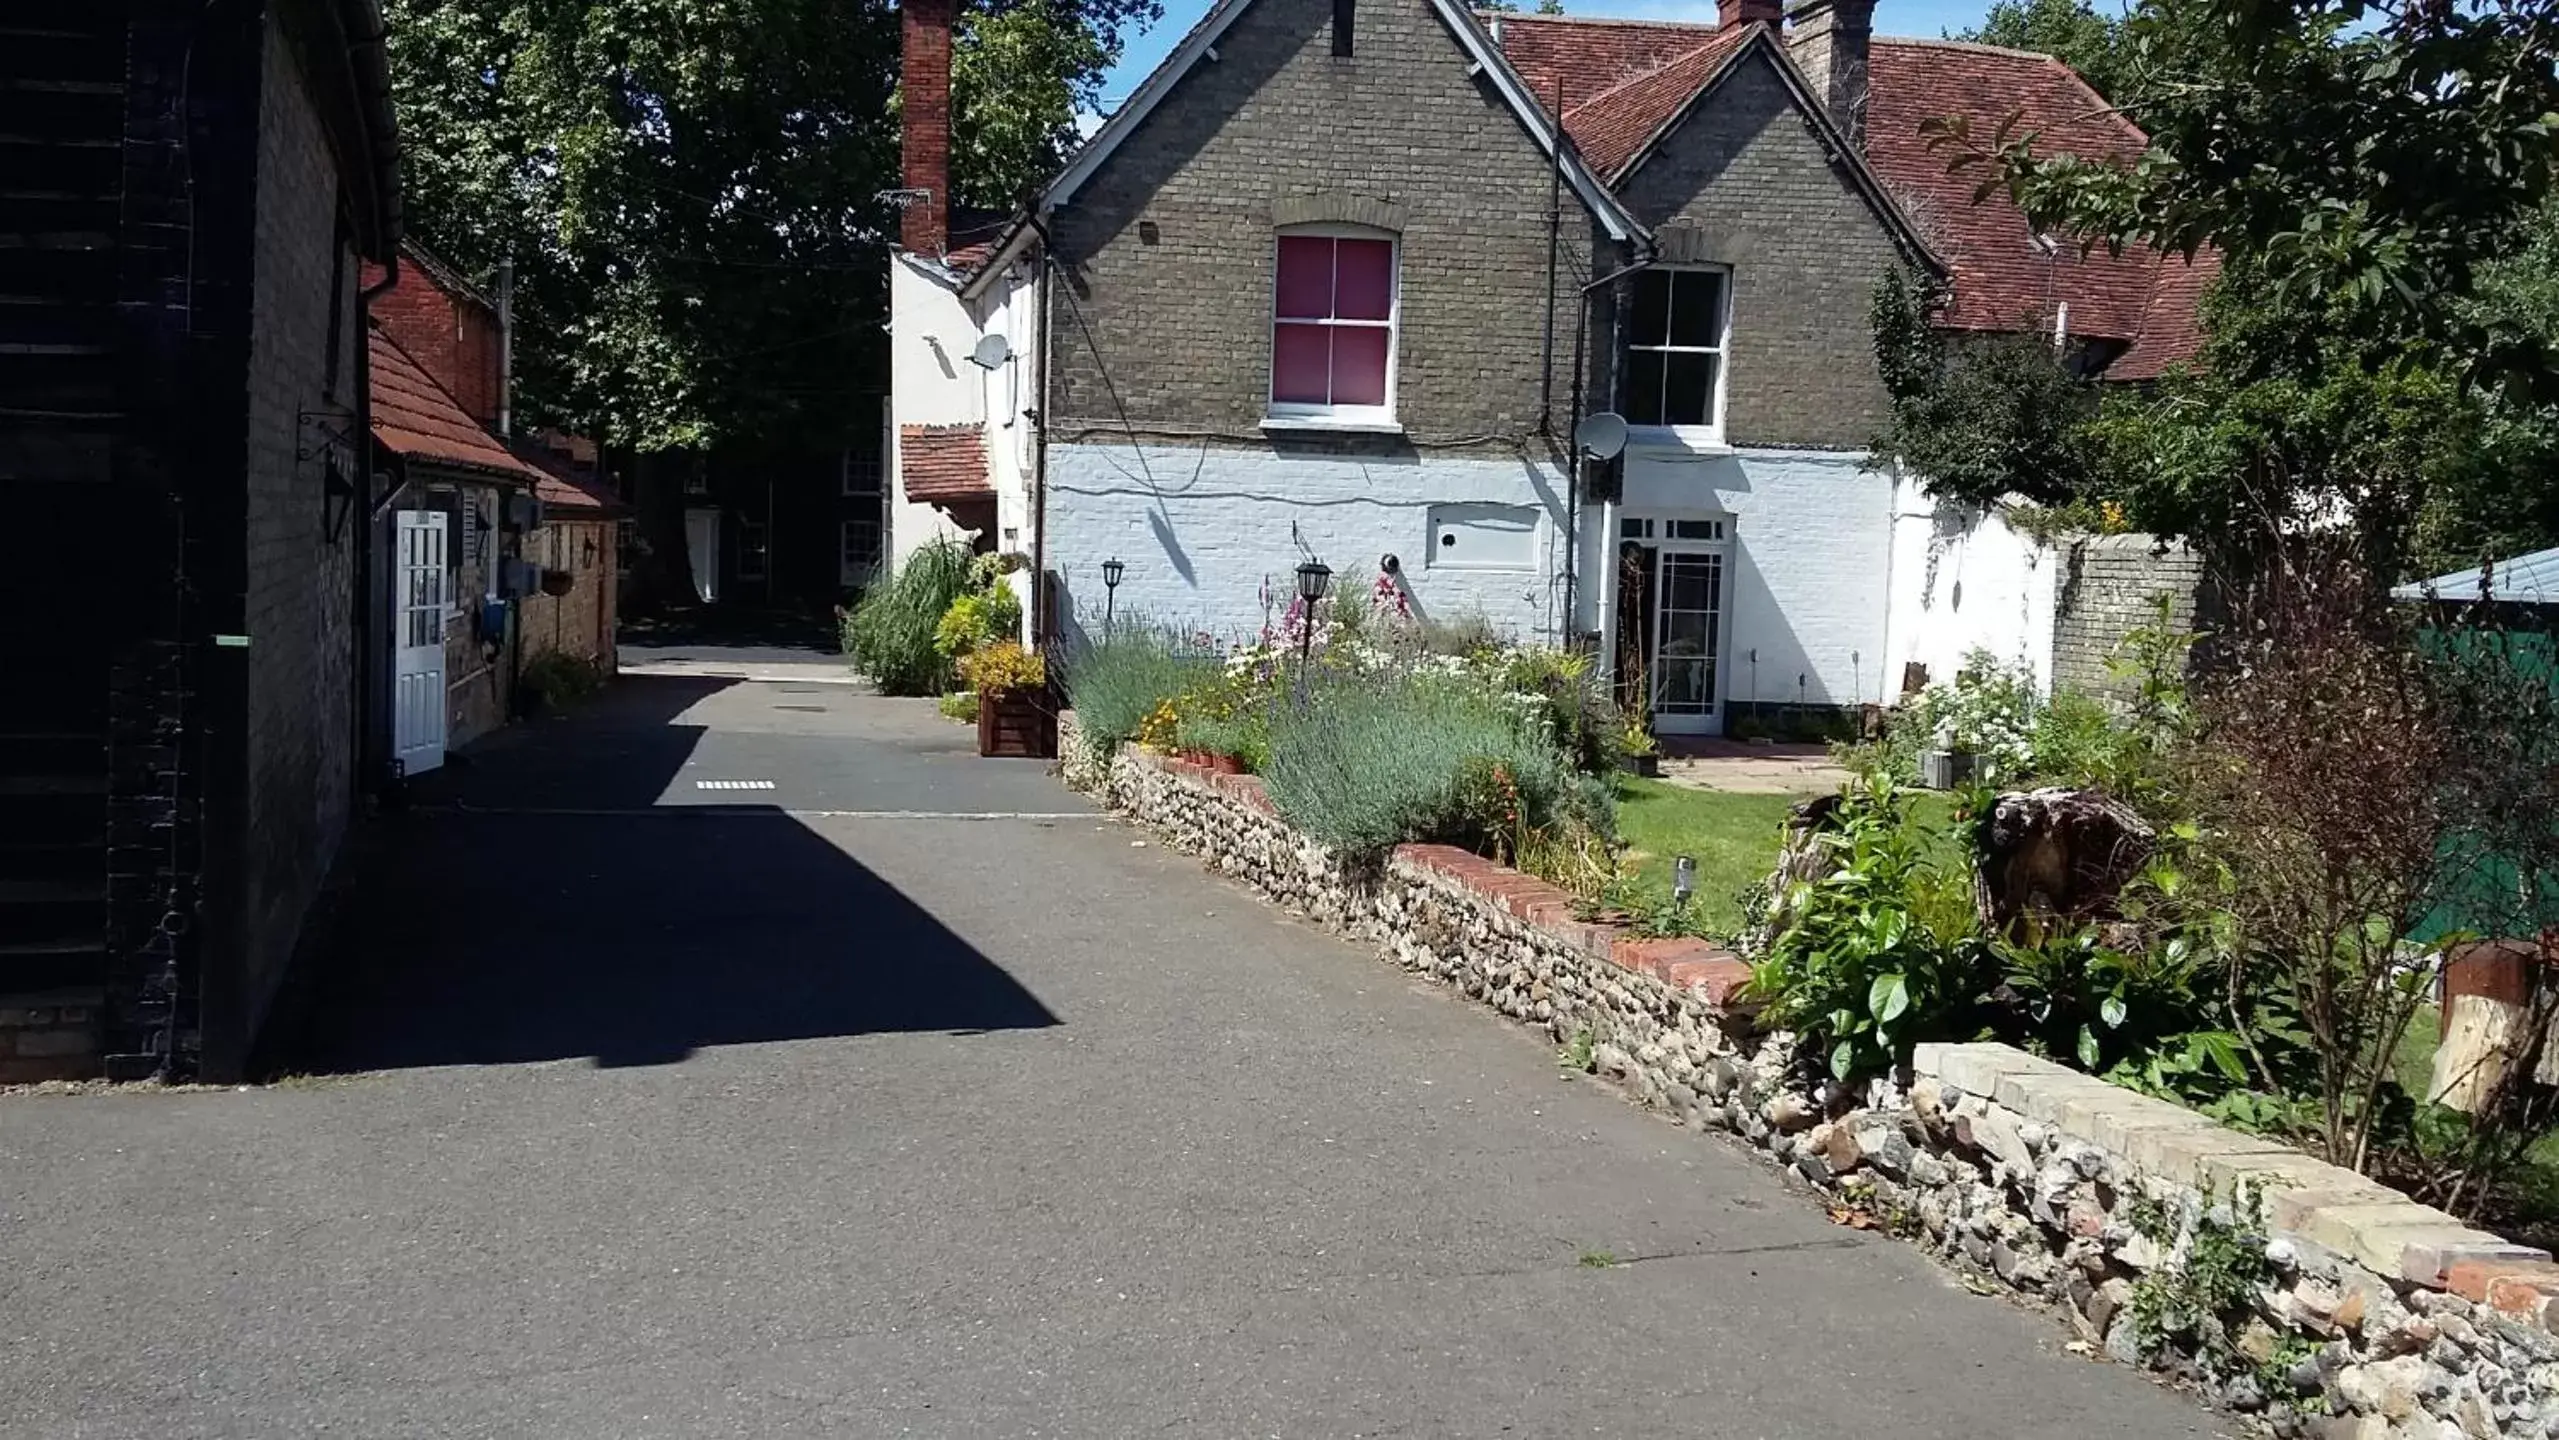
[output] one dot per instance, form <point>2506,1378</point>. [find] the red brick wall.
<point>581,622</point>
<point>454,337</point>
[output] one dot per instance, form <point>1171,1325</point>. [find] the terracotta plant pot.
<point>1222,764</point>
<point>1019,724</point>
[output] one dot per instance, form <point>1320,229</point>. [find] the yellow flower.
<point>2111,516</point>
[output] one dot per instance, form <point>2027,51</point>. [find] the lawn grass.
<point>1734,838</point>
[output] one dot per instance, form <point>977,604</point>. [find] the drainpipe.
<point>506,348</point>
<point>1045,276</point>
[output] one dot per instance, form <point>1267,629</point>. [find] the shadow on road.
<point>539,902</point>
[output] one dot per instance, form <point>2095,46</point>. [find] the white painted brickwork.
<point>1199,527</point>
<point>1812,550</point>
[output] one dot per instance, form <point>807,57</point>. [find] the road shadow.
<point>537,901</point>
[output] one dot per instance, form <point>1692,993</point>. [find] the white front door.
<point>1670,619</point>
<point>417,606</point>
<point>702,552</point>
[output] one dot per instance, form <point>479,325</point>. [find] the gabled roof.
<point>419,419</point>
<point>1615,124</point>
<point>1619,127</point>
<point>1480,48</point>
<point>1622,77</point>
<point>2004,280</point>
<point>943,462</point>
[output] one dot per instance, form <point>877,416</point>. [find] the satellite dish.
<point>1601,436</point>
<point>991,352</point>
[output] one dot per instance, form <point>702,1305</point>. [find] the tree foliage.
<point>2071,31</point>
<point>1979,418</point>
<point>2369,156</point>
<point>688,188</point>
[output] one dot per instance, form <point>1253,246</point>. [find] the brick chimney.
<point>1830,40</point>
<point>924,128</point>
<point>1729,13</point>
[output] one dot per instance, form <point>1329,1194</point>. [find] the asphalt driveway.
<point>908,1096</point>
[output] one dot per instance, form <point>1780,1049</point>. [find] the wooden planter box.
<point>1648,766</point>
<point>1019,724</point>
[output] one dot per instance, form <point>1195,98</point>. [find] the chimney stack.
<point>924,124</point>
<point>1729,13</point>
<point>1830,40</point>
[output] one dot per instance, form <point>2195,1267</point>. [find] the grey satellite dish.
<point>991,352</point>
<point>1601,436</point>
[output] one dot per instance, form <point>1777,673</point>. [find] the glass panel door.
<point>1684,655</point>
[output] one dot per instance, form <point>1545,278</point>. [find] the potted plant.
<point>1014,716</point>
<point>1640,752</point>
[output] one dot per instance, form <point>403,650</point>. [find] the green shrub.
<point>558,678</point>
<point>1365,764</point>
<point>959,705</point>
<point>977,619</point>
<point>890,635</point>
<point>1881,952</point>
<point>1116,683</point>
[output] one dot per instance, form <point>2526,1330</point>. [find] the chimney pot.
<point>924,124</point>
<point>1729,13</point>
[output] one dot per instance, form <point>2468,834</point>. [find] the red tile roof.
<point>943,463</point>
<point>1621,79</point>
<point>2172,331</point>
<point>1588,56</point>
<point>2003,279</point>
<point>421,420</point>
<point>1613,125</point>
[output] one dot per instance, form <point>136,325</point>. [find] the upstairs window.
<point>1677,331</point>
<point>1333,327</point>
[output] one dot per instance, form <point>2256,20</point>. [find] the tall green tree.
<point>2072,31</point>
<point>689,188</point>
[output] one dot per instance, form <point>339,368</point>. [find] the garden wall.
<point>2319,1302</point>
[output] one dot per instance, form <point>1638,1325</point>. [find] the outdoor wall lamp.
<point>1112,570</point>
<point>1313,579</point>
<point>1683,880</point>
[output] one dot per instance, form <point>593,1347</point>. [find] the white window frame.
<point>1710,434</point>
<point>1283,415</point>
<point>849,571</point>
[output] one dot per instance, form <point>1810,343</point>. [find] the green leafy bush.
<point>959,705</point>
<point>1116,683</point>
<point>978,619</point>
<point>1882,951</point>
<point>558,678</point>
<point>1368,763</point>
<point>890,634</point>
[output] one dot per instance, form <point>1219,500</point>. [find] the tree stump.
<point>1799,860</point>
<point>2056,858</point>
<point>2497,1003</point>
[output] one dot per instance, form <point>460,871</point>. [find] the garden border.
<point>2375,1317</point>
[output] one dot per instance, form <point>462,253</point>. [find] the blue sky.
<point>1928,18</point>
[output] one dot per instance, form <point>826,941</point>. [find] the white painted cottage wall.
<point>932,381</point>
<point>1199,527</point>
<point>1964,579</point>
<point>1811,535</point>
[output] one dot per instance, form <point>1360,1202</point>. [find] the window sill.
<point>1683,441</point>
<point>1330,425</point>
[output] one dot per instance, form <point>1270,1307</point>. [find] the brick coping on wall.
<point>1682,964</point>
<point>2305,1200</point>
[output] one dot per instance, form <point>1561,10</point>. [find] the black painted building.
<point>188,717</point>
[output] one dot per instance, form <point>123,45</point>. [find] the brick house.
<point>182,738</point>
<point>479,526</point>
<point>1342,277</point>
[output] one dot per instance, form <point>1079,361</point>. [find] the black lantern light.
<point>1112,570</point>
<point>1313,579</point>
